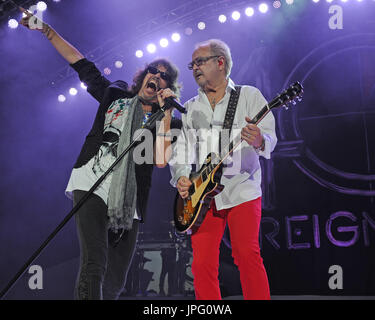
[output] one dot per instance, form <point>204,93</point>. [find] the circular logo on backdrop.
<point>330,135</point>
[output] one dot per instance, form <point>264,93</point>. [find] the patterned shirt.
<point>84,178</point>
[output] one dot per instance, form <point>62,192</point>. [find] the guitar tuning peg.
<point>294,103</point>
<point>286,107</point>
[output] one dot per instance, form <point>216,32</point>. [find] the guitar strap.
<point>229,117</point>
<point>225,138</point>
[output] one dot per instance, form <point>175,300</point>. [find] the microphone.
<point>173,103</point>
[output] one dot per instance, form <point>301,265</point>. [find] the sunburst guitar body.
<point>190,212</point>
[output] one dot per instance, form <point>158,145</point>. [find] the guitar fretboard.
<point>228,150</point>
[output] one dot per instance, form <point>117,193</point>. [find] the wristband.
<point>261,147</point>
<point>47,31</point>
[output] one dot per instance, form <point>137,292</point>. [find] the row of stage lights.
<point>176,37</point>
<point>222,18</point>
<point>151,48</point>
<point>236,15</point>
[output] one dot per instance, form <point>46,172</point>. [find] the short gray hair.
<point>219,48</point>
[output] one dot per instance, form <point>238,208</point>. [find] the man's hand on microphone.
<point>162,94</point>
<point>183,185</point>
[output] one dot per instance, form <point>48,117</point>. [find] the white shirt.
<point>199,136</point>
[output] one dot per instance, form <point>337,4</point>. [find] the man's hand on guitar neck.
<point>183,185</point>
<point>252,135</point>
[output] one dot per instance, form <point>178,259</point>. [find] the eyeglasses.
<point>165,76</point>
<point>199,61</point>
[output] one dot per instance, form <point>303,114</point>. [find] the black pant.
<point>103,265</point>
<point>168,256</point>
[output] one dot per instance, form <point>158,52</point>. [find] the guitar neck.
<point>231,147</point>
<point>261,114</point>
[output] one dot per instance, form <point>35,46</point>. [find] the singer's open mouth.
<point>152,85</point>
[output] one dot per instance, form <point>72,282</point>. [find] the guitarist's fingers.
<point>249,138</point>
<point>246,131</point>
<point>252,127</point>
<point>182,188</point>
<point>248,119</point>
<point>250,131</point>
<point>184,181</point>
<point>185,185</point>
<point>184,194</point>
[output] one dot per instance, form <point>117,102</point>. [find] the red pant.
<point>243,221</point>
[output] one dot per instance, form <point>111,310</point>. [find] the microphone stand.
<point>149,125</point>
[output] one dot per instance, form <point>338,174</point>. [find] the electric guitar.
<point>190,212</point>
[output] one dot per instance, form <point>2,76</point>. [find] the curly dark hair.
<point>171,69</point>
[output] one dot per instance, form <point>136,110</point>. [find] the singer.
<point>107,223</point>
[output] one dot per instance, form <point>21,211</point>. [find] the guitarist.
<point>239,204</point>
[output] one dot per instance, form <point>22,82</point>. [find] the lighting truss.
<point>175,19</point>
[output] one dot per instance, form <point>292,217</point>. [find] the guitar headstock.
<point>288,97</point>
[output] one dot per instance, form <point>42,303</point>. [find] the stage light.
<point>139,53</point>
<point>263,7</point>
<point>289,1</point>
<point>277,4</point>
<point>163,42</point>
<point>188,31</point>
<point>329,1</point>
<point>41,6</point>
<point>176,37</point>
<point>56,0</point>
<point>316,1</point>
<point>61,98</point>
<point>118,64</point>
<point>201,25</point>
<point>13,23</point>
<point>83,86</point>
<point>249,12</point>
<point>344,0</point>
<point>151,48</point>
<point>73,91</point>
<point>222,18</point>
<point>107,71</point>
<point>236,15</point>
